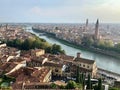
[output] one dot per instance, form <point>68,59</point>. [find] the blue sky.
<point>59,11</point>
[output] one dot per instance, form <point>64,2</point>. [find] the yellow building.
<point>56,68</point>
<point>37,52</point>
<point>86,64</point>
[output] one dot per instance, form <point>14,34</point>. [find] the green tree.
<point>89,82</point>
<point>114,88</point>
<point>62,87</point>
<point>53,86</point>
<point>83,80</point>
<point>87,41</point>
<point>105,44</point>
<point>17,43</point>
<point>99,84</point>
<point>80,77</point>
<point>117,47</point>
<point>101,43</point>
<point>71,85</point>
<point>78,74</point>
<point>79,86</point>
<point>48,49</point>
<point>56,49</point>
<point>109,43</point>
<point>36,42</point>
<point>10,43</point>
<point>27,44</point>
<point>95,87</point>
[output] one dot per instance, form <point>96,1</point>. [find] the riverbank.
<point>108,74</point>
<point>106,62</point>
<point>95,50</point>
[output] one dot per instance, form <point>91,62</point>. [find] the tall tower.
<point>86,26</point>
<point>97,30</point>
<point>1,26</point>
<point>6,26</point>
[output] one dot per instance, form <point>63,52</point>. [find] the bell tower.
<point>97,29</point>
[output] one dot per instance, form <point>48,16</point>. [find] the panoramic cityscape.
<point>61,45</point>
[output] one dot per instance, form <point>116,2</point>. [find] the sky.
<point>60,11</point>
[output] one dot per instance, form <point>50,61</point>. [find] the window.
<point>87,66</point>
<point>83,65</point>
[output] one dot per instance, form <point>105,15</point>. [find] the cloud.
<point>56,12</point>
<point>108,11</point>
<point>60,10</point>
<point>79,10</point>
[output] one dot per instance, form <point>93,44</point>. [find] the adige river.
<point>103,61</point>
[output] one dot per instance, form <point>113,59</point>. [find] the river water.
<point>103,61</point>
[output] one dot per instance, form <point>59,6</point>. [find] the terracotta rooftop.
<point>41,73</point>
<point>25,53</point>
<point>55,59</point>
<point>40,86</point>
<point>19,59</point>
<point>7,67</point>
<point>17,86</point>
<point>52,64</point>
<point>66,57</point>
<point>30,74</point>
<point>38,59</point>
<point>84,60</point>
<point>25,71</point>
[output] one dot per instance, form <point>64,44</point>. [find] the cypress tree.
<point>78,75</point>
<point>89,82</point>
<point>83,80</point>
<point>99,84</point>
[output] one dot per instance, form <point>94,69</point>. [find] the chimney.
<point>78,55</point>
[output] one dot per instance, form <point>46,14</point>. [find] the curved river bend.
<point>103,61</point>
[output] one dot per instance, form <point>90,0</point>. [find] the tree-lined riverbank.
<point>92,49</point>
<point>103,61</point>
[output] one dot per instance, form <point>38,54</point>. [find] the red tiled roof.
<point>84,60</point>
<point>19,59</point>
<point>30,74</point>
<point>52,64</point>
<point>17,86</point>
<point>66,57</point>
<point>25,71</point>
<point>8,66</point>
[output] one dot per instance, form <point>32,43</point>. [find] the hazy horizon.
<point>59,11</point>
